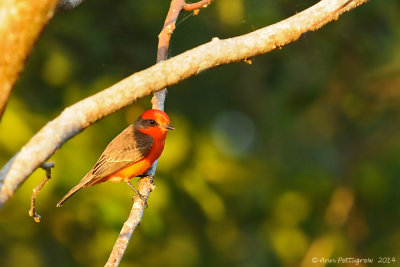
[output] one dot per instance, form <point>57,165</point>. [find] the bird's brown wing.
<point>128,147</point>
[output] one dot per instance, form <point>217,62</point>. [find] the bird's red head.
<point>154,122</point>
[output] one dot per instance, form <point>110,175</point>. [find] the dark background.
<point>272,163</point>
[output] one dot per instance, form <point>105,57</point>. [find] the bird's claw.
<point>150,176</point>
<point>137,194</point>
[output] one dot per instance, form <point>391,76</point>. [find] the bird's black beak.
<point>169,127</point>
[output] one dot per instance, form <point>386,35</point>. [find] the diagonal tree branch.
<point>217,52</point>
<point>21,22</point>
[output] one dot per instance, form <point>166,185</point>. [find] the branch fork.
<point>146,184</point>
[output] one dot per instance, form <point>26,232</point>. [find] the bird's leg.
<point>137,192</point>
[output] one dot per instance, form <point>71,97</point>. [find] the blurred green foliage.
<point>292,157</point>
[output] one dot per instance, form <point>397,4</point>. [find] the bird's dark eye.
<point>152,122</point>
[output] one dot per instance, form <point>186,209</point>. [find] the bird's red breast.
<point>133,151</point>
<point>137,168</point>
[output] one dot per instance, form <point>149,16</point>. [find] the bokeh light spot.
<point>177,145</point>
<point>230,11</point>
<point>291,208</point>
<point>233,132</point>
<point>289,243</point>
<point>57,68</point>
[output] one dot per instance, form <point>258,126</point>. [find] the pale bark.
<point>21,22</point>
<point>214,53</point>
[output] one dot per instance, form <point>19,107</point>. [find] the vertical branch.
<point>135,216</point>
<point>164,37</point>
<point>158,100</point>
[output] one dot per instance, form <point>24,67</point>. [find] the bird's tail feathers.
<point>75,189</point>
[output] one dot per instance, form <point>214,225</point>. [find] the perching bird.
<point>129,154</point>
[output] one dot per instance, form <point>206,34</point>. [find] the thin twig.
<point>47,167</point>
<point>77,117</point>
<point>197,5</point>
